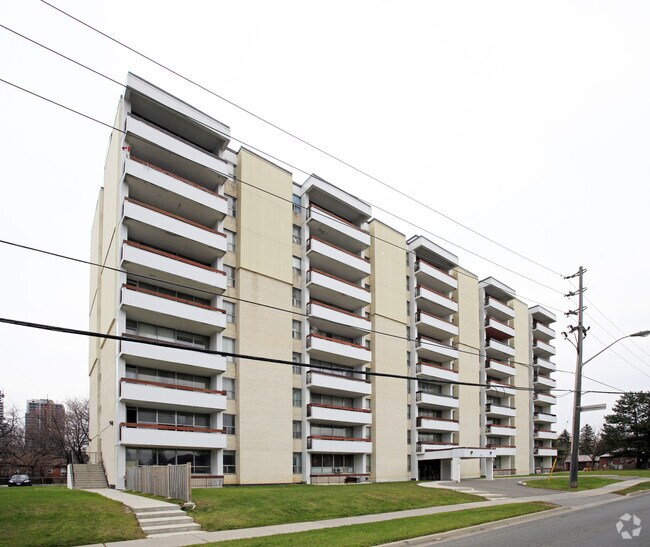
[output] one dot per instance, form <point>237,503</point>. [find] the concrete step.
<point>159,514</point>
<point>167,528</point>
<point>157,509</point>
<point>166,520</point>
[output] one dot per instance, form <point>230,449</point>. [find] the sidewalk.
<point>566,499</point>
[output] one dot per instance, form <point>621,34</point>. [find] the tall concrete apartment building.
<point>220,249</point>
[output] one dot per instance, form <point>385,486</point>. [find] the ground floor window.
<point>199,459</point>
<point>229,462</point>
<point>297,463</point>
<point>327,464</point>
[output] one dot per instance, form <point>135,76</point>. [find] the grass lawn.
<point>636,488</point>
<point>249,506</point>
<point>562,483</point>
<point>359,535</point>
<point>54,515</point>
<point>622,473</point>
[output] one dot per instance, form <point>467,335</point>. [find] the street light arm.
<point>642,333</point>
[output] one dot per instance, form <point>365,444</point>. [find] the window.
<point>229,388</point>
<point>297,397</point>
<point>229,462</point>
<point>297,208</point>
<point>232,205</point>
<point>296,358</point>
<point>230,275</point>
<point>408,308</point>
<point>296,329</point>
<point>229,424</point>
<point>296,298</point>
<point>168,335</point>
<point>230,311</point>
<point>408,412</point>
<point>167,417</point>
<point>408,283</point>
<point>229,346</point>
<point>199,459</point>
<point>326,464</point>
<point>297,429</point>
<point>297,265</point>
<point>297,463</point>
<point>231,242</point>
<point>408,358</point>
<point>297,239</point>
<point>408,436</point>
<point>167,377</point>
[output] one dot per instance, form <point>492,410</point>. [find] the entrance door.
<point>429,470</point>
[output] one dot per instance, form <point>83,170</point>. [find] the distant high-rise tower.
<point>40,414</point>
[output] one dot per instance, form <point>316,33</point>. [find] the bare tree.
<point>76,429</point>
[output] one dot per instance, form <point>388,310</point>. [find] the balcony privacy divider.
<point>169,481</point>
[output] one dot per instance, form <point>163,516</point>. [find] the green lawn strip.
<point>376,533</point>
<point>562,483</point>
<point>636,488</point>
<point>53,515</point>
<point>622,472</point>
<point>251,506</point>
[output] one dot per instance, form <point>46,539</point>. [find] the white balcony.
<point>324,286</point>
<point>425,423</point>
<point>342,445</point>
<point>499,389</point>
<point>334,384</point>
<point>165,396</point>
<point>545,452</point>
<point>542,348</point>
<point>544,382</point>
<point>497,349</point>
<point>145,260</point>
<point>337,351</point>
<point>165,436</point>
<point>545,365</point>
<point>339,231</point>
<point>543,417</point>
<point>499,369</point>
<point>425,370</point>
<point>341,322</point>
<point>436,400</point>
<point>430,325</point>
<point>169,231</point>
<point>181,359</point>
<point>171,192</point>
<point>161,139</point>
<point>499,411</point>
<point>434,302</point>
<point>435,350</point>
<point>542,332</point>
<point>503,450</point>
<point>338,415</point>
<point>544,398</point>
<point>434,277</point>
<point>327,257</point>
<point>166,311</point>
<point>498,309</point>
<point>495,430</point>
<point>498,330</point>
<point>544,434</point>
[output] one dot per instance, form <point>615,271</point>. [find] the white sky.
<point>528,121</point>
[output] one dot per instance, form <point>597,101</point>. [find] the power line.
<point>299,139</point>
<point>213,293</point>
<point>226,175</point>
<point>284,162</point>
<point>92,334</point>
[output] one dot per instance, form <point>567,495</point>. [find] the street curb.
<point>478,528</point>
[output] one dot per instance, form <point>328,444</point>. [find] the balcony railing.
<point>172,386</point>
<point>172,298</point>
<point>332,215</point>
<point>172,256</point>
<point>164,427</point>
<point>335,407</point>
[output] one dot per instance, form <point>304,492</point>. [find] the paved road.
<point>585,527</point>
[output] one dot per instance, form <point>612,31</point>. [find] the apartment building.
<point>220,249</point>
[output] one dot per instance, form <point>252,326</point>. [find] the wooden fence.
<point>169,481</point>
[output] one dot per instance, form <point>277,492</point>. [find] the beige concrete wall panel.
<point>469,409</point>
<point>523,378</point>
<point>264,222</point>
<point>388,278</point>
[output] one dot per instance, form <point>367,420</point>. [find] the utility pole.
<point>577,399</point>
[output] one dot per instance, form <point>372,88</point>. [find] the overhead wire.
<point>299,139</point>
<point>275,158</point>
<point>258,358</point>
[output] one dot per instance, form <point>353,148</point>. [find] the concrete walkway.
<point>136,503</point>
<point>566,499</point>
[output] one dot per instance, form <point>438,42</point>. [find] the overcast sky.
<point>526,121</point>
